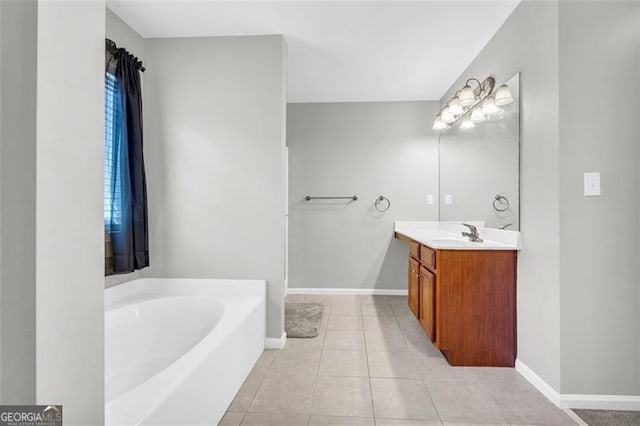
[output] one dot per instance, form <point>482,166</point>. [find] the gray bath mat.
<point>302,320</point>
<point>609,418</point>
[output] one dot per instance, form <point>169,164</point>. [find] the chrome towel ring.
<point>500,203</point>
<point>382,204</point>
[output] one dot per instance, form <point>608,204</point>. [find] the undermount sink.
<point>451,239</point>
<point>453,242</point>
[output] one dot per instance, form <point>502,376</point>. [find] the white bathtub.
<point>177,350</point>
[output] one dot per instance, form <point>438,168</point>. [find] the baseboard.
<point>585,401</point>
<point>600,402</point>
<point>275,342</point>
<point>349,291</point>
<point>537,382</point>
<point>576,418</point>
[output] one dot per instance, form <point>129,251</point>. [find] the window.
<point>113,122</point>
<point>125,192</point>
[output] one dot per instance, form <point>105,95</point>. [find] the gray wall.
<point>1,368</point>
<point>577,282</point>
<point>528,42</point>
<point>58,269</point>
<point>18,21</point>
<point>599,251</point>
<point>124,36</point>
<point>69,209</point>
<point>214,142</point>
<point>368,149</point>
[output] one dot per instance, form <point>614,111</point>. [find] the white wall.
<point>214,140</point>
<point>528,42</point>
<point>124,36</point>
<point>366,149</point>
<point>599,132</point>
<point>18,200</point>
<point>69,209</point>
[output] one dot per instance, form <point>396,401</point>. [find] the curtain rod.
<point>111,46</point>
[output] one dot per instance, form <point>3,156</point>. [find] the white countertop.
<point>448,235</point>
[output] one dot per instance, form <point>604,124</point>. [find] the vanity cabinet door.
<point>428,302</point>
<point>414,287</point>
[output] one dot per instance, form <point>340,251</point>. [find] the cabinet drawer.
<point>414,249</point>
<point>428,257</point>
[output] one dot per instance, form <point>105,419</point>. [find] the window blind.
<point>113,134</point>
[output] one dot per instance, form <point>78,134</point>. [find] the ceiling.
<point>342,51</point>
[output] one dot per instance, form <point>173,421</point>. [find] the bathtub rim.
<point>146,395</point>
<point>141,285</point>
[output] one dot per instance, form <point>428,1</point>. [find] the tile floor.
<point>373,365</point>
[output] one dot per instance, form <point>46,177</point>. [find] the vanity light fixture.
<point>470,105</point>
<point>477,116</point>
<point>447,116</point>
<point>489,106</point>
<point>438,124</point>
<point>455,107</point>
<point>467,96</point>
<point>467,123</point>
<point>503,95</point>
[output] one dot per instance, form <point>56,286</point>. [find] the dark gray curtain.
<point>127,239</point>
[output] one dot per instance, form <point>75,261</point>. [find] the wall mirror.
<point>480,167</point>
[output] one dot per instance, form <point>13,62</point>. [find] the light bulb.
<point>466,96</point>
<point>447,116</point>
<point>439,125</point>
<point>503,96</point>
<point>455,107</point>
<point>467,124</point>
<point>477,116</point>
<point>489,106</point>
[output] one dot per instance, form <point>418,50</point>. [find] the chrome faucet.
<point>472,234</point>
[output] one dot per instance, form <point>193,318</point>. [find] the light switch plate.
<point>430,199</point>
<point>592,184</point>
<point>448,199</point>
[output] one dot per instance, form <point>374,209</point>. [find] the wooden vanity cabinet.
<point>476,307</point>
<point>465,301</point>
<point>414,287</point>
<point>428,302</point>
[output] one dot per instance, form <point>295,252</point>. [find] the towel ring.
<point>500,199</point>
<point>380,205</point>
